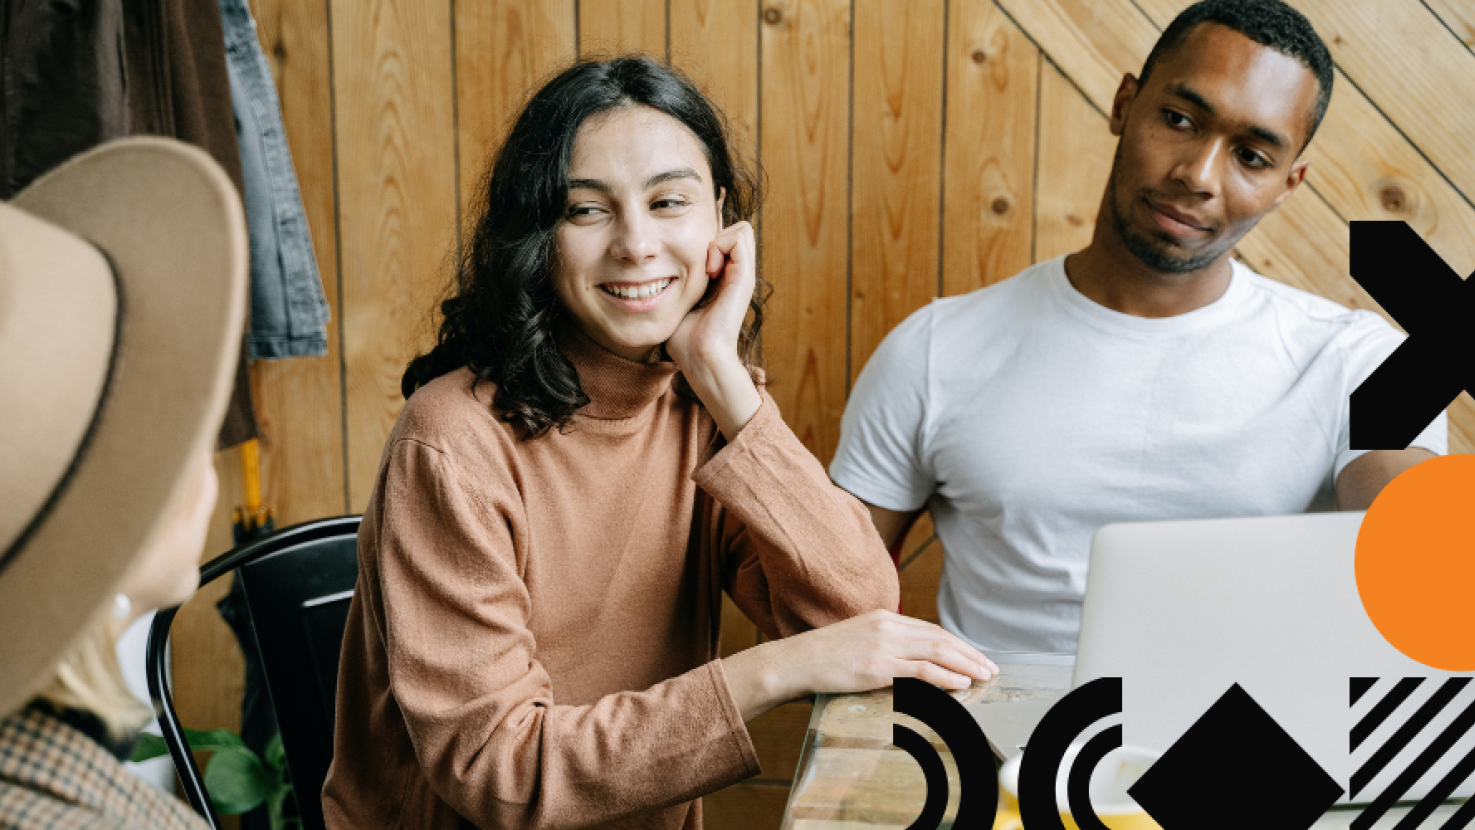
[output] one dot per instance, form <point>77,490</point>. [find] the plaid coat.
<point>53,776</point>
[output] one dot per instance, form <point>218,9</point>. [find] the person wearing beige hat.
<point>122,288</point>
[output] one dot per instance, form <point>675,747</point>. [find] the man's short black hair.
<point>1270,23</point>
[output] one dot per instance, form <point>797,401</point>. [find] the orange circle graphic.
<point>1416,562</point>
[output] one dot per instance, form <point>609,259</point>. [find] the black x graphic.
<point>1434,364</point>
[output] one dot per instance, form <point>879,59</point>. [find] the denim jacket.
<point>289,314</point>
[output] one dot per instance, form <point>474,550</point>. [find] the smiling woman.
<point>586,463</point>
<point>501,319</point>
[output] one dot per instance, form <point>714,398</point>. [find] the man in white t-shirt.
<point>1147,376</point>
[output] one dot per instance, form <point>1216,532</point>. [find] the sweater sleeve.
<point>800,552</point>
<point>479,706</point>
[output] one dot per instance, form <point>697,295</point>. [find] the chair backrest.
<point>298,583</point>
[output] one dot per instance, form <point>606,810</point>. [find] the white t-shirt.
<point>1026,416</point>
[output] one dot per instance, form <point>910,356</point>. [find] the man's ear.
<point>721,195</point>
<point>1294,177</point>
<point>1126,92</point>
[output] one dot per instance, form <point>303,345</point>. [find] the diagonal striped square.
<point>1408,745</point>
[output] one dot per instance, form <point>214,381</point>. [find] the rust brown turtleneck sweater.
<point>534,637</point>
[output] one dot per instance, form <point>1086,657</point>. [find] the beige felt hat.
<point>122,294</point>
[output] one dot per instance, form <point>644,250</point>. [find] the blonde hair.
<point>89,678</point>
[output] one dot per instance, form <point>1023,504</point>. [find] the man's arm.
<point>1362,479</point>
<point>891,524</point>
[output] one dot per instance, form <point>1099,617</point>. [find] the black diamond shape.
<point>1236,747</point>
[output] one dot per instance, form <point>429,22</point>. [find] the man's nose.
<point>637,240</point>
<point>1201,169</point>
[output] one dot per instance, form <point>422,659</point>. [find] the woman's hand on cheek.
<point>705,343</point>
<point>709,333</point>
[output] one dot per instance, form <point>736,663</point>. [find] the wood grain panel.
<point>397,204</point>
<point>1075,150</point>
<point>896,161</point>
<point>805,136</point>
<point>716,43</point>
<point>745,807</point>
<point>988,169</point>
<point>503,49</point>
<point>299,401</point>
<point>1462,423</point>
<point>1458,15</point>
<point>1412,67</point>
<point>778,737</point>
<point>1093,42</point>
<point>612,27</point>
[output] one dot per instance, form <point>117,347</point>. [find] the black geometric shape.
<point>1358,686</point>
<point>1078,782</point>
<point>1441,791</point>
<point>1413,726</point>
<point>978,801</point>
<point>933,771</point>
<point>1069,717</point>
<point>1380,712</point>
<point>1425,373</point>
<point>1236,747</point>
<point>1416,769</point>
<point>1462,816</point>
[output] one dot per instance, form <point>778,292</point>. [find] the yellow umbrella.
<point>253,519</point>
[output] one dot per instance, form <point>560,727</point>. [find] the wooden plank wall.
<point>912,148</point>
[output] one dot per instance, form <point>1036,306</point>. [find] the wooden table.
<point>851,777</point>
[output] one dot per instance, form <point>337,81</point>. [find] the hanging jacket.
<point>289,314</point>
<point>178,87</point>
<point>63,86</point>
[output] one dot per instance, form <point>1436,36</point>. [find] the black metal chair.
<point>298,582</point>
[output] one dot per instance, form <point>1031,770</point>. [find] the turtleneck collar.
<point>617,388</point>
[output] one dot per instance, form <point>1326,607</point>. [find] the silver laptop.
<point>1182,610</point>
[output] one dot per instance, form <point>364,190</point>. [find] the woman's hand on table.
<point>856,655</point>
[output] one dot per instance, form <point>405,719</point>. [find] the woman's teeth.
<point>636,292</point>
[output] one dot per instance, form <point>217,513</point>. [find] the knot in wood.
<point>1394,199</point>
<point>772,16</point>
<point>999,205</point>
<point>979,56</point>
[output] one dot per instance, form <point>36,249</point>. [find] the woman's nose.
<point>637,240</point>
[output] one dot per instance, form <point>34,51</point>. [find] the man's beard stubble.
<point>1153,252</point>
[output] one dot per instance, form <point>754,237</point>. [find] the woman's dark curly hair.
<point>500,320</point>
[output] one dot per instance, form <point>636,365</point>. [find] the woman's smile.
<point>637,296</point>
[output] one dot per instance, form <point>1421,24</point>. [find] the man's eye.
<point>664,204</point>
<point>1253,159</point>
<point>1176,120</point>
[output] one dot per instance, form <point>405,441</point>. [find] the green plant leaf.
<point>150,746</point>
<point>214,739</point>
<point>276,755</point>
<point>237,780</point>
<point>282,810</point>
